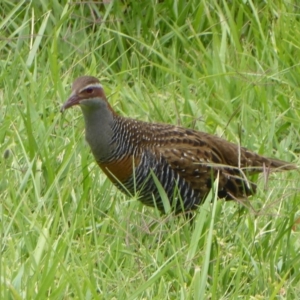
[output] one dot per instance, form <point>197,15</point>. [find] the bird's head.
<point>86,92</point>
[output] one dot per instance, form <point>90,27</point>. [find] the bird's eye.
<point>89,90</point>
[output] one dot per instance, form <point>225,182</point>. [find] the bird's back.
<point>184,161</point>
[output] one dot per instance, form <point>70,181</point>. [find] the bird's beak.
<point>73,100</point>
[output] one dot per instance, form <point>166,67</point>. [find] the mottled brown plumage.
<point>185,161</point>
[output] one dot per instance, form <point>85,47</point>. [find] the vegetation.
<point>229,68</point>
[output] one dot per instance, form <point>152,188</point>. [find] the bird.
<point>141,157</point>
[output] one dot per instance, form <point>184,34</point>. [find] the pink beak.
<point>73,100</point>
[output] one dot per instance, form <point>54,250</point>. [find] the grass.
<point>229,68</point>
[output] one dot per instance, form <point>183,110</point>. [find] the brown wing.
<point>199,167</point>
<point>197,157</point>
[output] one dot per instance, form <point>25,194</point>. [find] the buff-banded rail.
<point>135,155</point>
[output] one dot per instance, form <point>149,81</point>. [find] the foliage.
<point>226,67</point>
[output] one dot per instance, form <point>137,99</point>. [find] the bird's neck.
<point>99,120</point>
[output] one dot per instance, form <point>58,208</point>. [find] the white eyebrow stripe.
<point>93,85</point>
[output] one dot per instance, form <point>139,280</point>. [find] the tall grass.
<point>225,67</point>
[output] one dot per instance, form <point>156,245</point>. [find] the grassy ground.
<point>226,67</point>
